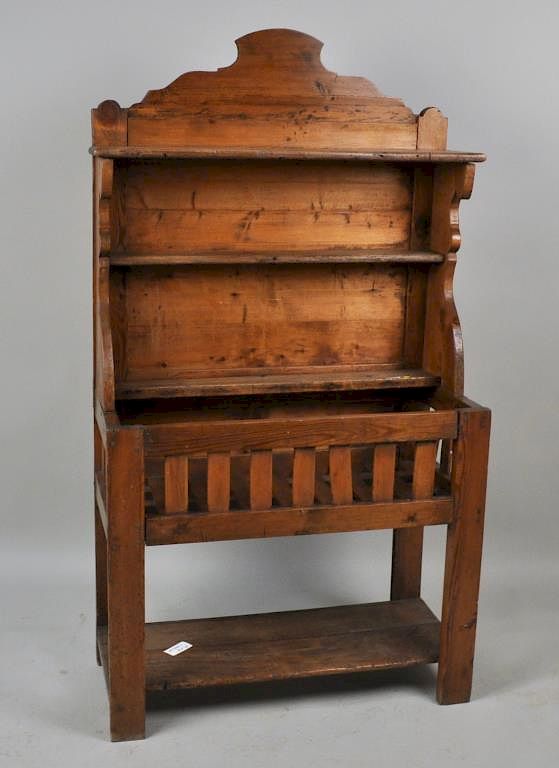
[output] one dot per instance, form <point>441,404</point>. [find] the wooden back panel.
<point>195,321</point>
<point>176,206</point>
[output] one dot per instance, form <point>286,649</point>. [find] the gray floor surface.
<point>54,706</point>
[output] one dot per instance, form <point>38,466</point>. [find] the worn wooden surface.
<point>284,256</point>
<point>294,644</point>
<point>271,153</point>
<point>262,233</point>
<point>263,381</point>
<point>463,557</point>
<point>188,206</point>
<point>296,521</point>
<point>200,438</point>
<point>125,578</point>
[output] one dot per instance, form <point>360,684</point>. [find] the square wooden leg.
<point>100,577</point>
<point>126,613</point>
<point>463,558</point>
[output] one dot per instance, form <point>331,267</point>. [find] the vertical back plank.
<point>304,474</point>
<point>384,470</point>
<point>219,482</point>
<point>340,475</point>
<point>407,546</point>
<point>176,484</point>
<point>261,480</point>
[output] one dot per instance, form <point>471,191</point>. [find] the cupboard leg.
<point>126,614</point>
<point>407,554</point>
<point>463,558</point>
<point>100,577</point>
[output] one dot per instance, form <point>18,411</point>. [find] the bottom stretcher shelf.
<point>293,644</point>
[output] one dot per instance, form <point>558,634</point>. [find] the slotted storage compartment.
<point>277,353</point>
<point>270,467</point>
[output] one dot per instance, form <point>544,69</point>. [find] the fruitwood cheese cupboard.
<point>277,352</point>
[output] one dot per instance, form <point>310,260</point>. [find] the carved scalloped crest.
<point>270,63</point>
<point>276,94</point>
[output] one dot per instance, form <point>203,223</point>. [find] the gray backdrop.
<point>491,67</point>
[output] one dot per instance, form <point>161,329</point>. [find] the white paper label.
<point>177,648</point>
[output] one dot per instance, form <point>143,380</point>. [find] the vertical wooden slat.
<point>125,584</point>
<point>304,473</point>
<point>261,479</point>
<point>176,484</point>
<point>407,546</point>
<point>463,558</point>
<point>219,482</point>
<point>340,475</point>
<point>424,470</point>
<point>384,470</point>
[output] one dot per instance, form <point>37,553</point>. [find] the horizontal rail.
<point>293,521</point>
<point>200,438</point>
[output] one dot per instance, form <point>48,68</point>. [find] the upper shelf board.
<point>272,153</point>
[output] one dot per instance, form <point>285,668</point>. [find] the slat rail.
<point>280,477</point>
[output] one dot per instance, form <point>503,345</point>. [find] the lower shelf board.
<point>293,644</point>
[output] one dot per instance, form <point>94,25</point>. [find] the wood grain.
<point>176,484</point>
<point>463,557</point>
<point>407,547</point>
<point>126,673</point>
<point>200,321</point>
<point>219,482</point>
<point>261,479</point>
<point>295,644</point>
<point>262,233</point>
<point>270,205</point>
<point>200,438</point>
<point>296,521</point>
<point>363,154</point>
<point>384,470</point>
<point>341,482</point>
<point>266,381</point>
<point>304,473</point>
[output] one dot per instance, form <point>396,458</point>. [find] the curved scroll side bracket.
<point>451,184</point>
<point>443,349</point>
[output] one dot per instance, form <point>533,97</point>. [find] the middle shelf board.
<point>339,256</point>
<point>255,384</point>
